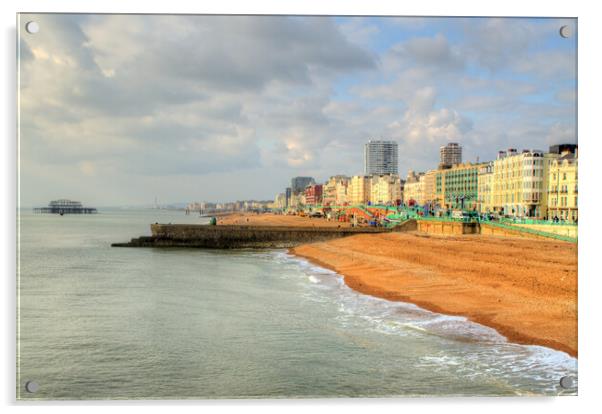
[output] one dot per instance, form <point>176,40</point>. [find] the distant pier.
<point>65,206</point>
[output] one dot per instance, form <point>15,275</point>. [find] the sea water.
<point>99,322</point>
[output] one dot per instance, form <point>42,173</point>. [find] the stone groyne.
<point>237,237</point>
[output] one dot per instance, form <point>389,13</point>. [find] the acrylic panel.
<point>296,206</point>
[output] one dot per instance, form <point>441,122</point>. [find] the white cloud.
<point>134,101</point>
<point>430,51</point>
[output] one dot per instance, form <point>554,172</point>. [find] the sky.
<point>120,109</point>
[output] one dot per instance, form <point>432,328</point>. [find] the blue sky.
<point>118,109</point>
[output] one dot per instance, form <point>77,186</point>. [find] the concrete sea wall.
<point>447,227</point>
<point>460,228</point>
<point>490,230</point>
<point>408,225</point>
<point>228,237</point>
<point>562,230</point>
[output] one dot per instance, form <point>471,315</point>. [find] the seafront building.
<point>527,184</point>
<point>385,189</point>
<point>381,157</point>
<point>360,189</point>
<point>280,201</point>
<point>297,201</point>
<point>313,194</point>
<point>429,190</point>
<point>342,191</point>
<point>413,190</point>
<point>485,188</point>
<point>457,187</point>
<point>288,192</point>
<point>298,184</point>
<point>329,191</point>
<point>450,155</point>
<point>562,184</point>
<point>239,205</point>
<point>518,183</point>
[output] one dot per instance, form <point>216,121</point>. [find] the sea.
<point>101,322</point>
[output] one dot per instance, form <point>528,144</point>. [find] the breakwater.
<point>236,237</point>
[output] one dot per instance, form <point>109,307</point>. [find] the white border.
<point>590,146</point>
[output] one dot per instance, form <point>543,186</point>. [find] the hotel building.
<point>518,183</point>
<point>385,189</point>
<point>562,183</point>
<point>313,194</point>
<point>485,188</point>
<point>429,189</point>
<point>413,190</point>
<point>334,191</point>
<point>360,189</point>
<point>457,187</point>
<point>342,191</point>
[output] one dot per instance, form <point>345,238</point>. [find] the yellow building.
<point>413,189</point>
<point>342,191</point>
<point>279,202</point>
<point>518,183</point>
<point>485,190</point>
<point>333,188</point>
<point>562,187</point>
<point>297,201</point>
<point>385,189</point>
<point>429,193</point>
<point>360,189</point>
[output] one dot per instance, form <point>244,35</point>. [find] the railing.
<point>519,220</point>
<point>504,226</point>
<point>404,213</point>
<point>455,219</point>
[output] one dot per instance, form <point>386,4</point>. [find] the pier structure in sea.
<point>64,206</point>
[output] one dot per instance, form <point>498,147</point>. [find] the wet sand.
<point>525,289</point>
<point>269,219</point>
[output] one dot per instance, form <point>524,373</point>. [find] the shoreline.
<point>499,309</point>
